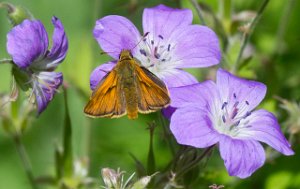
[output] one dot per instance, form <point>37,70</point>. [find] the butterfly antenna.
<point>143,37</point>
<point>104,52</point>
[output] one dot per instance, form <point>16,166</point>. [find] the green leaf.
<point>140,169</point>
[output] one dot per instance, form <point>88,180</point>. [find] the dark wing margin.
<point>153,93</point>
<point>107,99</point>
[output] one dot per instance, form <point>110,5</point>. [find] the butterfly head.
<point>125,55</point>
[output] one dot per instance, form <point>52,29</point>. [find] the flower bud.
<point>16,14</point>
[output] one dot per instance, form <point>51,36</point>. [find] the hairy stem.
<point>247,35</point>
<point>25,160</point>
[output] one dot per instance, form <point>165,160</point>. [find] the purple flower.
<point>170,43</point>
<point>27,43</point>
<point>222,112</point>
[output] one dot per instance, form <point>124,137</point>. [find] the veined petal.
<point>233,89</point>
<point>60,43</point>
<point>44,87</point>
<point>192,126</point>
<point>263,126</point>
<point>59,48</point>
<point>161,21</point>
<point>176,77</point>
<point>98,73</point>
<point>199,95</point>
<point>115,33</point>
<point>194,46</point>
<point>241,157</point>
<point>27,42</point>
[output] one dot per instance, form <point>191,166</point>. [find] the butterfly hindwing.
<point>107,99</point>
<point>153,93</point>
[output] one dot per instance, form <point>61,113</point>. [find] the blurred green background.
<point>275,61</point>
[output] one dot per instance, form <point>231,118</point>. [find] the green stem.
<point>282,27</point>
<point>166,132</point>
<point>6,61</point>
<point>199,11</point>
<point>8,6</point>
<point>247,34</point>
<point>25,160</point>
<point>151,157</point>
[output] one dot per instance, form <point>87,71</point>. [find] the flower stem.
<point>282,27</point>
<point>199,11</point>
<point>166,132</point>
<point>25,160</point>
<point>6,61</point>
<point>247,35</point>
<point>195,162</point>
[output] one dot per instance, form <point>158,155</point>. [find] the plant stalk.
<point>25,160</point>
<point>246,35</point>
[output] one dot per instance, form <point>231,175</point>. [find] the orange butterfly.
<point>128,88</point>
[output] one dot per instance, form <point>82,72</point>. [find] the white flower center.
<point>229,118</point>
<point>155,53</point>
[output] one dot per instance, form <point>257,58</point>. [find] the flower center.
<point>155,52</point>
<point>232,117</point>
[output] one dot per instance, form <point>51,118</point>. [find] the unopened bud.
<point>16,14</point>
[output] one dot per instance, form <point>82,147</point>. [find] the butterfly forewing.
<point>153,93</point>
<point>107,99</point>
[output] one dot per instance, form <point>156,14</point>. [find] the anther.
<point>234,95</point>
<point>224,104</point>
<point>236,104</point>
<point>247,114</point>
<point>169,47</point>
<point>156,55</point>
<point>143,52</point>
<point>223,119</point>
<point>145,35</point>
<point>160,36</point>
<point>247,102</point>
<point>152,42</point>
<point>236,123</point>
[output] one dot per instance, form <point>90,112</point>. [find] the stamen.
<point>156,55</point>
<point>247,114</point>
<point>160,36</point>
<point>163,60</point>
<point>236,123</point>
<point>143,52</point>
<point>145,35</point>
<point>234,95</point>
<point>169,47</point>
<point>224,104</point>
<point>234,113</point>
<point>236,104</point>
<point>152,42</point>
<point>247,102</point>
